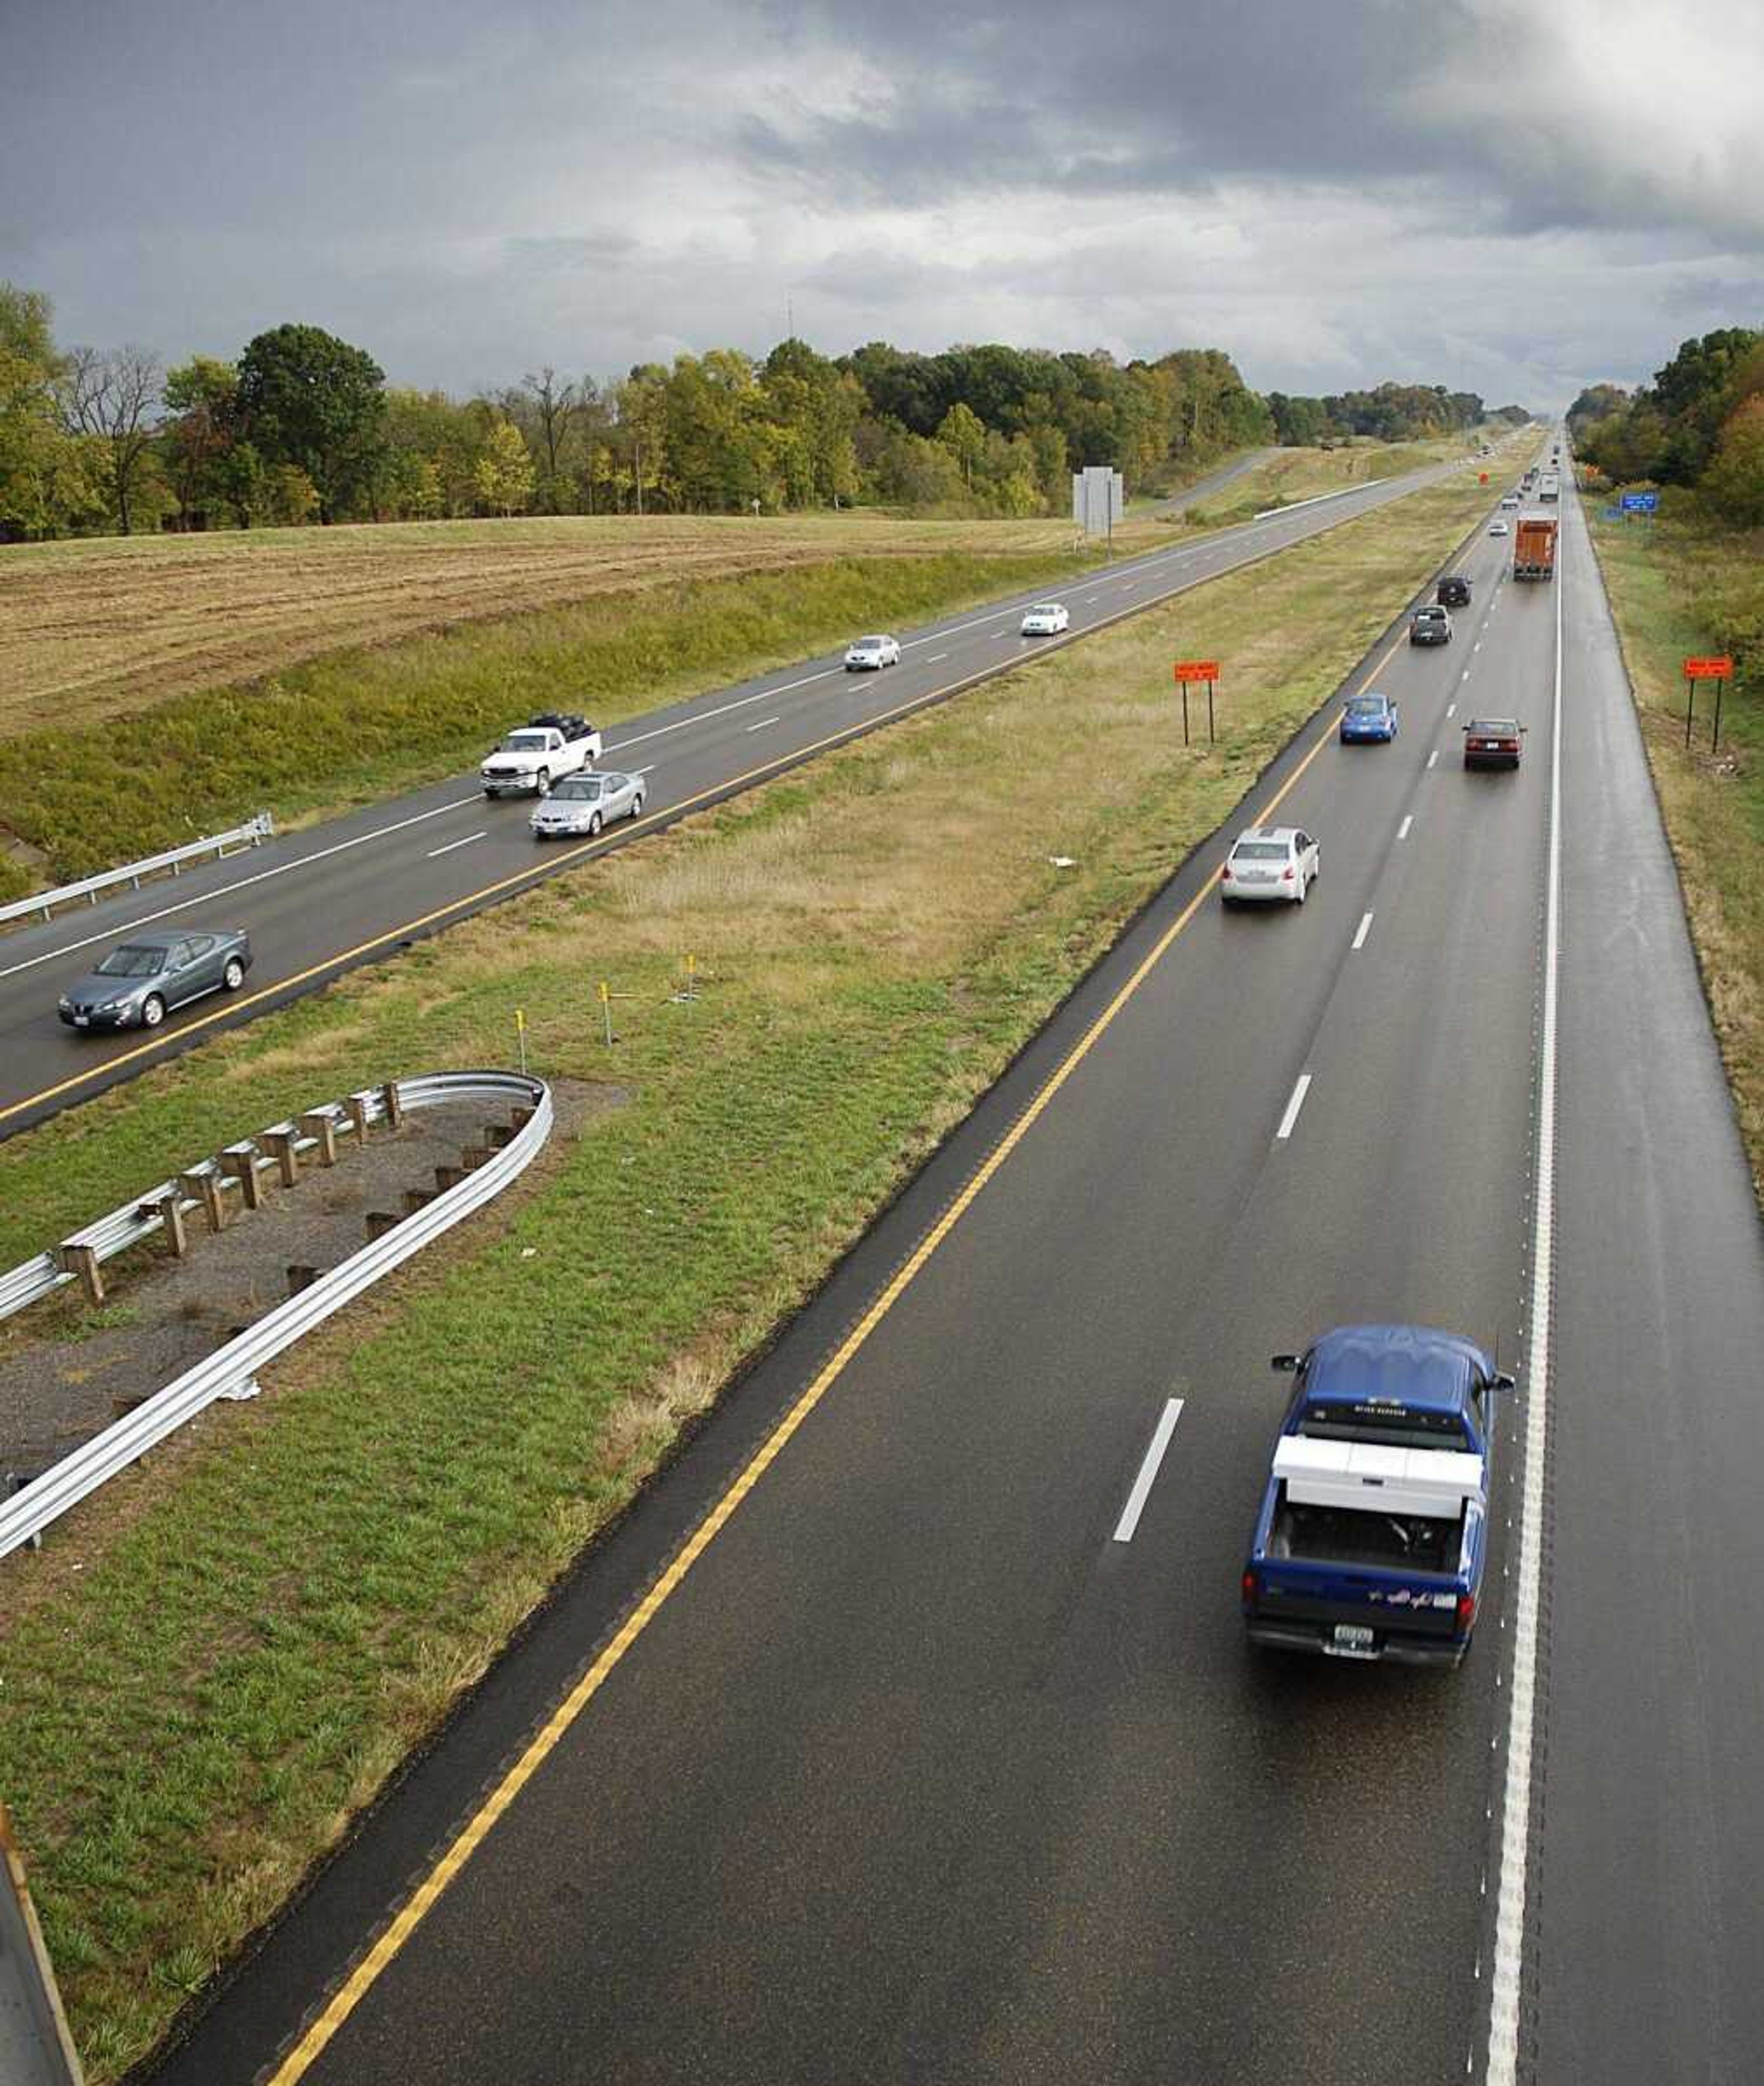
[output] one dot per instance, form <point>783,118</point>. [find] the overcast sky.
<point>1513,198</point>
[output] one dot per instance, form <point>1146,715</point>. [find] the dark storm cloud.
<point>1481,192</point>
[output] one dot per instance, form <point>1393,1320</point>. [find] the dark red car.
<point>1493,743</point>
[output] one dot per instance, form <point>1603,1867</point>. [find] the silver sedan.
<point>582,804</point>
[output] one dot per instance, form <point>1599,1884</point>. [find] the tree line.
<point>1699,425</point>
<point>303,427</point>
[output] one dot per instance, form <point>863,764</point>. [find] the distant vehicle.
<point>1269,865</point>
<point>870,654</point>
<point>1550,486</point>
<point>1493,742</point>
<point>1370,719</point>
<point>139,983</point>
<point>1497,527</point>
<point>1432,625</point>
<point>1047,618</point>
<point>1534,547</point>
<point>1453,591</point>
<point>529,760</point>
<point>1372,1537</point>
<point>584,803</point>
<point>1509,500</point>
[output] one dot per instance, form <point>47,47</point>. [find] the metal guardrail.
<point>138,1220</point>
<point>106,1455</point>
<point>251,834</point>
<point>35,2049</point>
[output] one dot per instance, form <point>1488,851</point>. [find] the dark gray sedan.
<point>139,984</point>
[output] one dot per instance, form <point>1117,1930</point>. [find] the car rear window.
<point>1394,1425</point>
<point>1367,706</point>
<point>1259,851</point>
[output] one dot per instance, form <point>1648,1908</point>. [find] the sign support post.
<point>1719,671</point>
<point>1197,669</point>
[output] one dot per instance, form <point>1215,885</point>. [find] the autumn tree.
<point>308,399</point>
<point>505,475</point>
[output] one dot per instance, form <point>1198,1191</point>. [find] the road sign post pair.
<point>1721,671</point>
<point>1197,670</point>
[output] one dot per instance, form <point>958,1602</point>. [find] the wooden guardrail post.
<point>300,1276</point>
<point>279,1144</point>
<point>357,1108</point>
<point>202,1185</point>
<point>82,1261</point>
<point>170,1211</point>
<point>239,1162</point>
<point>320,1125</point>
<point>380,1222</point>
<point>394,1105</point>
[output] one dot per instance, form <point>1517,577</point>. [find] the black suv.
<point>1453,591</point>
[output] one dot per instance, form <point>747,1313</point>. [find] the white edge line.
<point>1402,830</point>
<point>760,725</point>
<point>120,931</point>
<point>1148,1471</point>
<point>1364,929</point>
<point>451,845</point>
<point>1433,758</point>
<point>1515,1806</point>
<point>1293,1107</point>
<point>1452,709</point>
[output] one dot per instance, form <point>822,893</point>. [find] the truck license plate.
<point>1351,1640</point>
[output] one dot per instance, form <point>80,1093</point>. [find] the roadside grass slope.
<point>355,724</point>
<point>1679,591</point>
<point>213,1666</point>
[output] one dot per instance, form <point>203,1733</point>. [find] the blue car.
<point>1368,717</point>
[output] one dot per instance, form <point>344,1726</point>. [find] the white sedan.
<point>582,804</point>
<point>1269,865</point>
<point>1497,527</point>
<point>868,653</point>
<point>1047,618</point>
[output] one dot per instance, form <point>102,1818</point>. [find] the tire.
<point>1302,887</point>
<point>234,976</point>
<point>636,806</point>
<point>593,826</point>
<point>152,1010</point>
<point>542,786</point>
<point>491,794</point>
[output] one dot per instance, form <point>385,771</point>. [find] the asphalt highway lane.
<point>920,1774</point>
<point>317,902</point>
<point>1648,1942</point>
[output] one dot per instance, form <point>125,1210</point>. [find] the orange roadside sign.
<point>1708,669</point>
<point>1197,669</point>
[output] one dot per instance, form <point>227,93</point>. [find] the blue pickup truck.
<point>1373,1532</point>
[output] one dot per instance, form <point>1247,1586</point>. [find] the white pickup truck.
<point>529,760</point>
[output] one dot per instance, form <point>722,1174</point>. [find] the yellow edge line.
<point>538,875</point>
<point>471,1836</point>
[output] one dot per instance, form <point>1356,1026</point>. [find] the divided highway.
<point>317,902</point>
<point>913,1752</point>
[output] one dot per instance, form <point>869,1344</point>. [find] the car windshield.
<point>132,962</point>
<point>586,786</point>
<point>1367,706</point>
<point>1259,851</point>
<point>526,742</point>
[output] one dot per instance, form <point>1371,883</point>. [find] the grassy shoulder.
<point>262,1624</point>
<point>350,726</point>
<point>1680,591</point>
<point>1291,475</point>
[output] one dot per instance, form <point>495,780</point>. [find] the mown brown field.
<point>105,627</point>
